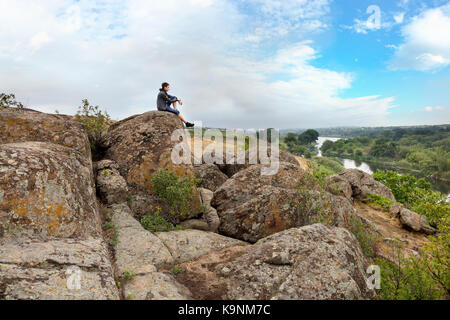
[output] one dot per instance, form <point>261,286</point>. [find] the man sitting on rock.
<point>164,102</point>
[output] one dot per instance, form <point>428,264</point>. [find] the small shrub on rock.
<point>367,239</point>
<point>94,121</point>
<point>175,191</point>
<point>9,101</point>
<point>155,223</point>
<point>378,200</point>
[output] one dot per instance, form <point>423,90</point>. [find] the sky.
<point>235,64</point>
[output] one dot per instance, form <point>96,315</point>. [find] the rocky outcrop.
<point>51,244</point>
<point>210,176</point>
<point>24,126</point>
<point>58,269</point>
<point>50,225</point>
<point>311,262</point>
<point>252,206</point>
<point>360,183</point>
<point>141,145</point>
<point>46,190</point>
<point>147,256</point>
<point>111,186</point>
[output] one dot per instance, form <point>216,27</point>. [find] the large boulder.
<point>111,186</point>
<point>28,125</point>
<point>46,190</point>
<point>323,207</point>
<point>360,184</point>
<point>339,186</point>
<point>141,145</point>
<point>210,176</point>
<point>415,222</point>
<point>251,206</point>
<point>58,269</point>
<point>313,262</point>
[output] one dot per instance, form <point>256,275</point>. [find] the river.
<point>348,163</point>
<point>369,168</point>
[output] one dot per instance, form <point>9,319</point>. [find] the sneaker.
<point>189,125</point>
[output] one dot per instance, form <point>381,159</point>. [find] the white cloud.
<point>437,108</point>
<point>117,54</point>
<point>272,18</point>
<point>398,18</point>
<point>426,43</point>
<point>39,40</point>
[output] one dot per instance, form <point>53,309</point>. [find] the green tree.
<point>308,137</point>
<point>9,101</point>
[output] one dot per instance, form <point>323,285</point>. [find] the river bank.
<point>371,166</point>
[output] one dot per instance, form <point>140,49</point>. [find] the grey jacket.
<point>164,100</point>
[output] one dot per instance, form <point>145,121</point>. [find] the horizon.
<point>236,64</point>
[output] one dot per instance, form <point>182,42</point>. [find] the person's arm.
<point>173,98</point>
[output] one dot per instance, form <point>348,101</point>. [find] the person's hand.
<point>179,100</point>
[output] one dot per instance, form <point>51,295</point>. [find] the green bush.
<point>402,186</point>
<point>94,121</point>
<point>175,191</point>
<point>423,277</point>
<point>324,167</point>
<point>416,195</point>
<point>381,201</point>
<point>409,281</point>
<point>366,238</point>
<point>155,223</point>
<point>9,101</point>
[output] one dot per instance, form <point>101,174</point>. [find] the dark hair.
<point>164,84</point>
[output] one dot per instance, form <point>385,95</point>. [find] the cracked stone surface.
<point>24,126</point>
<point>186,245</point>
<point>47,190</point>
<point>33,269</point>
<point>311,262</point>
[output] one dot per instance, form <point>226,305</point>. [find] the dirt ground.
<point>391,229</point>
